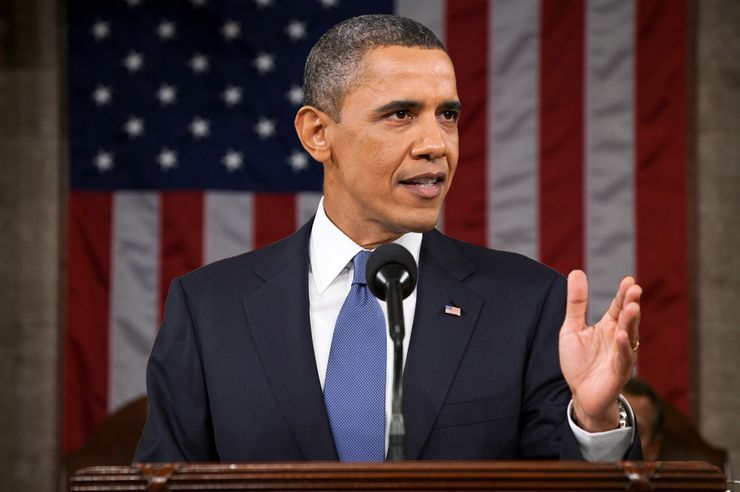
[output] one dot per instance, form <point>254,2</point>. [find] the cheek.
<point>379,145</point>
<point>369,161</point>
<point>380,160</point>
<point>452,156</point>
<point>453,146</point>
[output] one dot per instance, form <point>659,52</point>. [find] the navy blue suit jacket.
<point>232,375</point>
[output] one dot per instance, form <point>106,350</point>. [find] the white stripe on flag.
<point>610,208</point>
<point>134,311</point>
<point>513,155</point>
<point>228,224</point>
<point>306,205</point>
<point>431,13</point>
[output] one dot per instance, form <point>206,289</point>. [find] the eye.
<point>450,115</point>
<point>401,114</point>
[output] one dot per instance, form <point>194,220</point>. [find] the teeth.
<point>426,182</point>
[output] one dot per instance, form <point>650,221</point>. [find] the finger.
<point>618,302</point>
<point>575,308</point>
<point>630,315</point>
<point>629,323</point>
<point>626,356</point>
<point>633,294</point>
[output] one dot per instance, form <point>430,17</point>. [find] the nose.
<point>430,143</point>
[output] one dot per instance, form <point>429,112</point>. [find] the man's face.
<point>395,149</point>
<point>644,411</point>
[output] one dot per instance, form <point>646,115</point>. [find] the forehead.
<point>393,72</point>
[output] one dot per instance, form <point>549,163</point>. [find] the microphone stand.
<point>397,431</point>
<point>391,275</point>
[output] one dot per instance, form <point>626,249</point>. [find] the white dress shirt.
<point>330,280</point>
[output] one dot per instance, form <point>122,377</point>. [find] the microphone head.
<point>390,262</point>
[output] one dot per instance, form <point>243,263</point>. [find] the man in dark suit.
<point>240,364</point>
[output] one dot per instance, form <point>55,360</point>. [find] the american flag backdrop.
<point>182,151</point>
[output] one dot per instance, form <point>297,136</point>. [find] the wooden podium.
<point>409,476</point>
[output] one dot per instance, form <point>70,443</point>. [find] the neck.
<point>368,236</point>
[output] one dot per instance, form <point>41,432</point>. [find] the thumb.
<point>575,308</point>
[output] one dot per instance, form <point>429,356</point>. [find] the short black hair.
<point>333,62</point>
<point>638,387</point>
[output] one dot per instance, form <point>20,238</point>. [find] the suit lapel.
<point>438,340</point>
<point>278,317</point>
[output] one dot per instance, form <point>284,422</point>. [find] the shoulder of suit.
<point>240,269</point>
<point>489,261</point>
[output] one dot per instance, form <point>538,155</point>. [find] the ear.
<point>311,126</point>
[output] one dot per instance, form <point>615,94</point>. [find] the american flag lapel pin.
<point>452,310</point>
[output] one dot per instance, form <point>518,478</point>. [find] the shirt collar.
<point>331,250</point>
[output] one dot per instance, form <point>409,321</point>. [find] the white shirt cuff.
<point>604,446</point>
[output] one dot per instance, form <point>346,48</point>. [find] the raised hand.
<point>597,360</point>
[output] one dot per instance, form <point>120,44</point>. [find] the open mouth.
<point>425,185</point>
<point>427,180</point>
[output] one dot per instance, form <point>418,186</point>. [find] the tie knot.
<point>360,262</point>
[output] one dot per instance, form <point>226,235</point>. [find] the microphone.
<point>387,263</point>
<point>391,276</point>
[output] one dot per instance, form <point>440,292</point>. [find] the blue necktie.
<point>354,390</point>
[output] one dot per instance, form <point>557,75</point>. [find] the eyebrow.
<point>397,105</point>
<point>451,106</point>
<point>401,104</point>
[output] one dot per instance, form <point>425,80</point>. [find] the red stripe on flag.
<point>88,286</point>
<point>274,217</point>
<point>467,45</point>
<point>181,236</point>
<point>662,258</point>
<point>561,150</point>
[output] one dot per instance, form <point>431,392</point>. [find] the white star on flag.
<point>104,161</point>
<point>232,95</point>
<point>133,3</point>
<point>232,160</point>
<point>166,94</point>
<point>263,3</point>
<point>134,127</point>
<point>167,159</point>
<point>329,3</point>
<point>102,95</point>
<point>231,30</point>
<point>166,30</point>
<point>199,128</point>
<point>298,160</point>
<point>198,3</point>
<point>101,30</point>
<point>199,63</point>
<point>133,61</point>
<point>264,62</point>
<point>295,95</point>
<point>265,128</point>
<point>296,30</point>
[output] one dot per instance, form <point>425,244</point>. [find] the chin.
<point>422,223</point>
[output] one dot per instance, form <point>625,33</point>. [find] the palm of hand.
<point>597,360</point>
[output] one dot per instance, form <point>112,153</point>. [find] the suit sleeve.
<point>544,429</point>
<point>546,433</point>
<point>178,426</point>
